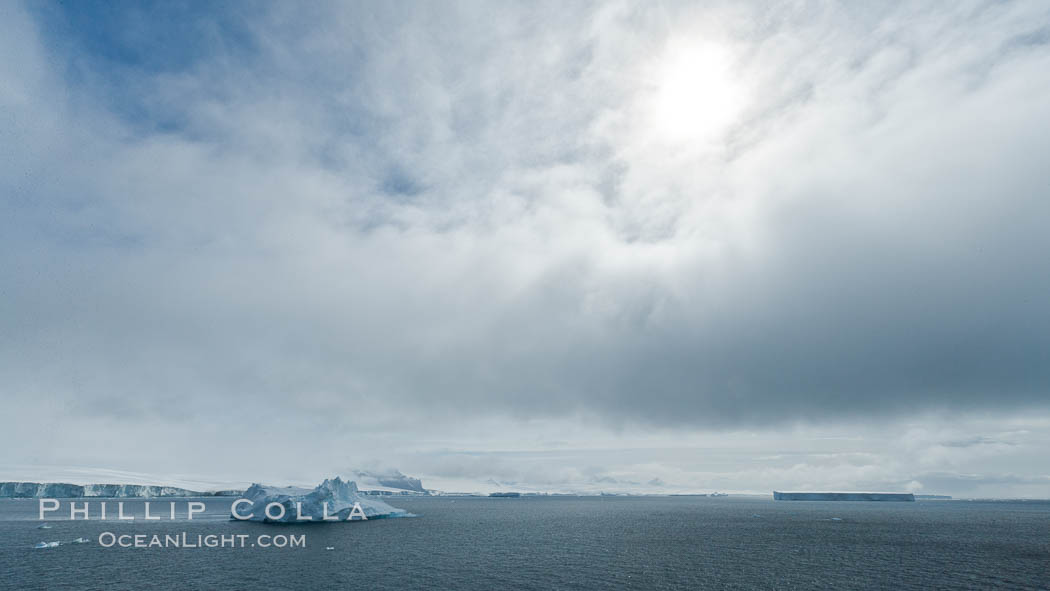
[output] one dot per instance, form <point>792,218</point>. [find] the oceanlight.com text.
<point>183,540</point>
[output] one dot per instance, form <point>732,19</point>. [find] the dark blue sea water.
<point>561,543</point>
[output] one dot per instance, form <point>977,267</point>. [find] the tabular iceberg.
<point>841,496</point>
<point>334,499</point>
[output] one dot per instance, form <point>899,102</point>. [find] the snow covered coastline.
<point>62,490</point>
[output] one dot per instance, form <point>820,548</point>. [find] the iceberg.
<point>334,499</point>
<point>841,496</point>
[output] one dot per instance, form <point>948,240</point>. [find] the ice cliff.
<point>334,498</point>
<point>62,490</point>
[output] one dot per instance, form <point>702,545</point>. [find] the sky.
<point>624,247</point>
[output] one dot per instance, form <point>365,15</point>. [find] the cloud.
<point>362,217</point>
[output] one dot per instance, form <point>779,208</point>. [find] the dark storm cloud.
<point>447,213</point>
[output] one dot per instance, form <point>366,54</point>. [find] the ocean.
<point>581,543</point>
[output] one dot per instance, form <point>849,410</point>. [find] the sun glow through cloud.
<point>697,97</point>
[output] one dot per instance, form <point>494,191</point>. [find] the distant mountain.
<point>390,479</point>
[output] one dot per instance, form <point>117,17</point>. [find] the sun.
<point>697,97</point>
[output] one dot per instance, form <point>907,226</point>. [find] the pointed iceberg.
<point>334,498</point>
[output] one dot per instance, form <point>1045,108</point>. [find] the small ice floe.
<point>46,545</point>
<point>329,547</point>
<point>44,526</point>
<point>80,541</point>
<point>836,519</point>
